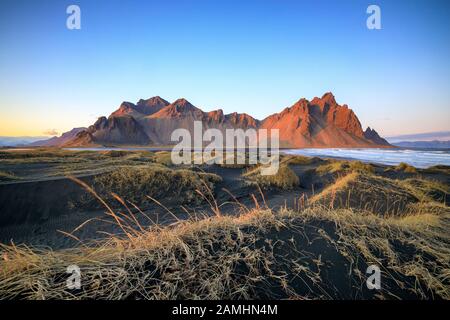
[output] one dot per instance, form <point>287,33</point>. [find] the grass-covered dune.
<point>369,192</point>
<point>139,184</point>
<point>313,253</point>
<point>50,163</point>
<point>36,184</point>
<point>285,178</point>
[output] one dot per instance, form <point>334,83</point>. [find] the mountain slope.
<point>123,130</point>
<point>58,141</point>
<point>319,123</point>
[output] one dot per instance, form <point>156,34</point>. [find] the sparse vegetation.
<point>163,157</point>
<point>441,169</point>
<point>115,153</point>
<point>340,166</point>
<point>299,160</point>
<point>49,155</point>
<point>402,166</point>
<point>427,190</point>
<point>284,179</point>
<point>7,176</point>
<point>258,254</point>
<point>368,192</point>
<point>36,164</point>
<point>135,183</point>
<point>235,161</point>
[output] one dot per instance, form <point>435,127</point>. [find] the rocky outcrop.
<point>372,135</point>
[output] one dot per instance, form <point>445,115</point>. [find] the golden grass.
<point>340,166</point>
<point>115,153</point>
<point>402,166</point>
<point>257,254</point>
<point>426,189</point>
<point>136,183</point>
<point>163,157</point>
<point>59,163</point>
<point>368,192</point>
<point>284,179</point>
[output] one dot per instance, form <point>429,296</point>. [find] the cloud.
<point>51,132</point>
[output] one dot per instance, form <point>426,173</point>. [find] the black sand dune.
<point>222,232</point>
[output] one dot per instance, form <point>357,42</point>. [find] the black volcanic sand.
<point>34,209</point>
<point>33,212</point>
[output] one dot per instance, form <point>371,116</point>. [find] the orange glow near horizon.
<point>12,126</point>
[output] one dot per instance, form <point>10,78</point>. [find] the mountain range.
<point>8,141</point>
<point>426,136</point>
<point>321,122</point>
<point>434,144</point>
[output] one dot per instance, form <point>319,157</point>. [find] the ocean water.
<point>416,158</point>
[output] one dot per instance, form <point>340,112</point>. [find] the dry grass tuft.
<point>284,179</point>
<point>115,153</point>
<point>427,190</point>
<point>342,167</point>
<point>163,157</point>
<point>135,183</point>
<point>439,169</point>
<point>402,166</point>
<point>371,193</point>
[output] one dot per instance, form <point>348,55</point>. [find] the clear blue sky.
<point>247,56</point>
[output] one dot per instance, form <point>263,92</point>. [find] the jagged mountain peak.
<point>182,102</point>
<point>142,108</point>
<point>372,135</point>
<point>328,97</point>
<point>179,108</point>
<point>155,101</point>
